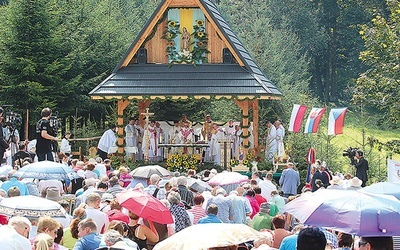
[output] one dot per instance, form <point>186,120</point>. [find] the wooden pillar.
<point>142,105</point>
<point>255,122</point>
<point>244,106</point>
<point>122,104</point>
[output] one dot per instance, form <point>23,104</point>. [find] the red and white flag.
<point>336,121</point>
<point>313,120</point>
<point>297,117</point>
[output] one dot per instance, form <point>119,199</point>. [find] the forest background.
<point>320,53</point>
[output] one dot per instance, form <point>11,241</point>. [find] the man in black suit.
<point>3,143</point>
<point>361,165</point>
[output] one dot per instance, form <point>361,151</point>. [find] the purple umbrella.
<point>348,211</point>
<point>390,188</point>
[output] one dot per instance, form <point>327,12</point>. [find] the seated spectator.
<point>114,239</point>
<point>89,238</point>
<point>279,230</point>
<point>212,211</point>
<point>13,192</point>
<point>71,233</point>
<point>311,238</point>
<point>43,241</point>
<point>116,213</point>
<point>197,210</point>
<point>263,220</point>
<point>14,235</point>
<point>375,243</point>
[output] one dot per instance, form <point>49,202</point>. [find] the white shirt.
<point>11,240</point>
<point>107,141</point>
<point>98,216</point>
<point>65,147</point>
<point>101,168</point>
<point>266,188</point>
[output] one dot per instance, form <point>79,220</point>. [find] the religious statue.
<point>185,39</point>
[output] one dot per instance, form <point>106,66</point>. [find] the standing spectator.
<point>184,192</point>
<point>267,186</point>
<point>212,211</point>
<point>198,210</point>
<point>71,232</point>
<point>278,200</point>
<point>89,238</point>
<point>289,181</point>
<point>45,137</point>
<point>48,226</point>
<point>271,146</point>
<point>182,219</point>
<point>107,141</point>
<point>361,165</point>
<point>92,211</point>
<point>3,143</point>
<point>65,147</point>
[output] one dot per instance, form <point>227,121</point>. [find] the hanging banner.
<point>393,170</point>
<point>336,121</point>
<point>296,118</point>
<point>313,120</point>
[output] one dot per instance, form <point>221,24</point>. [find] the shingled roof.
<point>241,80</point>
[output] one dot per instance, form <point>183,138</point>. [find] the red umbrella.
<point>145,206</point>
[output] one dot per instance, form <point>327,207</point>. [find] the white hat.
<point>355,182</point>
<point>335,180</point>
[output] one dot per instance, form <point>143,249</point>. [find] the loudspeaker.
<point>227,56</point>
<point>142,56</point>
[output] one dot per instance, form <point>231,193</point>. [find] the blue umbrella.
<point>47,170</point>
<point>348,211</point>
<point>390,188</point>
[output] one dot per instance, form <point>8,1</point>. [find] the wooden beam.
<point>146,33</point>
<point>122,104</point>
<point>244,106</point>
<point>254,104</point>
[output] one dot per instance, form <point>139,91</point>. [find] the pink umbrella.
<point>145,206</point>
<point>226,178</point>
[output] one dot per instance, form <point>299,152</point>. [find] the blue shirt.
<point>211,218</point>
<point>224,204</point>
<point>289,242</point>
<point>290,180</point>
<point>14,182</point>
<point>88,242</point>
<point>240,210</point>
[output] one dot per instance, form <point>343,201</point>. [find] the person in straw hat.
<point>336,183</point>
<point>355,184</point>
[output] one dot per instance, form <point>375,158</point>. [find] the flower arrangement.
<point>172,31</point>
<point>198,45</point>
<point>182,162</point>
<point>235,163</point>
<point>200,40</point>
<point>184,57</point>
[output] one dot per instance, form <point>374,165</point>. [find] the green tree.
<point>379,86</point>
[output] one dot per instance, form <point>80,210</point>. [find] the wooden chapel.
<point>208,62</point>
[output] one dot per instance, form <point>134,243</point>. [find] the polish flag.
<point>336,121</point>
<point>297,117</point>
<point>313,120</point>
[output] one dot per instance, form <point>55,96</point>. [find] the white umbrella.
<point>204,236</point>
<point>47,170</point>
<point>31,206</point>
<point>147,171</point>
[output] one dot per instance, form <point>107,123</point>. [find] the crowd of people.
<point>97,220</point>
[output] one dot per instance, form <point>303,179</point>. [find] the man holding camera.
<point>44,145</point>
<point>361,165</point>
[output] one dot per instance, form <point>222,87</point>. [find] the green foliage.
<point>379,86</point>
